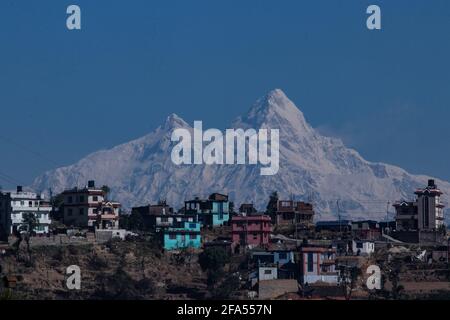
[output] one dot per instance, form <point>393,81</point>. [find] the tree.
<point>227,288</point>
<point>231,208</point>
<point>30,223</point>
<point>106,190</point>
<point>442,229</point>
<point>57,201</point>
<point>213,258</point>
<point>348,278</point>
<point>394,272</point>
<point>136,222</point>
<point>272,205</point>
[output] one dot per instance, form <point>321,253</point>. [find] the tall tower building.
<point>430,209</point>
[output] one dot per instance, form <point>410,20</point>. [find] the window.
<point>164,219</point>
<point>192,225</point>
<point>282,256</point>
<point>310,262</point>
<point>95,198</point>
<point>267,271</point>
<point>255,236</point>
<point>172,236</point>
<point>30,203</point>
<point>69,212</point>
<point>81,198</point>
<point>193,237</point>
<point>359,245</point>
<point>81,211</point>
<point>69,199</point>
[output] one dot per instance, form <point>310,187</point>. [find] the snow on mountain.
<point>313,168</point>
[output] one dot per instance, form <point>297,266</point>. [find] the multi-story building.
<point>252,230</point>
<point>247,208</point>
<point>278,257</point>
<point>215,211</point>
<point>5,216</point>
<point>14,208</point>
<point>406,216</point>
<point>430,207</point>
<point>425,213</point>
<point>157,222</point>
<point>88,208</point>
<point>185,235</point>
<point>292,212</point>
<point>366,230</point>
<point>162,208</point>
<point>161,215</point>
<point>318,264</point>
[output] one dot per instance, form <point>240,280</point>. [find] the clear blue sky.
<point>64,94</point>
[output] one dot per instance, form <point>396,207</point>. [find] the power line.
<point>29,150</point>
<point>11,180</point>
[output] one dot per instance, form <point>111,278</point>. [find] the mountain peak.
<point>276,94</point>
<point>174,121</point>
<point>275,110</point>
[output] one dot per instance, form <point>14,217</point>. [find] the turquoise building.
<point>187,235</point>
<point>212,212</point>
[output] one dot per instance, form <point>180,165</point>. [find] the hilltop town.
<point>212,248</point>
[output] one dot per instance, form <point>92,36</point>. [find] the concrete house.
<point>15,206</point>
<point>363,247</point>
<point>88,208</point>
<point>215,211</point>
<point>251,230</point>
<point>318,264</point>
<point>186,235</point>
<point>287,212</point>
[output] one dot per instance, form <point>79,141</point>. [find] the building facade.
<point>363,247</point>
<point>366,230</point>
<point>186,235</point>
<point>277,257</point>
<point>287,212</point>
<point>318,264</point>
<point>88,208</point>
<point>213,212</point>
<point>253,230</point>
<point>406,218</point>
<point>430,207</point>
<point>425,213</point>
<point>14,208</point>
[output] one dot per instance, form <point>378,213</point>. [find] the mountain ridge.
<point>313,168</point>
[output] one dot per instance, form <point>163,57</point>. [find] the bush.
<point>97,263</point>
<point>213,258</point>
<point>227,288</point>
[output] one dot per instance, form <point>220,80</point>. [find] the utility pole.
<point>339,217</point>
<point>387,211</point>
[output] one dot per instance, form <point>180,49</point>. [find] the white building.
<point>267,273</point>
<point>88,208</point>
<point>15,206</point>
<point>361,247</point>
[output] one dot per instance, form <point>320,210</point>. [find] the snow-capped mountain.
<point>313,168</point>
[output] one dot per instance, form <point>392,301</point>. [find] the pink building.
<point>251,230</point>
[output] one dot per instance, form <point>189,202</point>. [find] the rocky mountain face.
<point>313,168</point>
